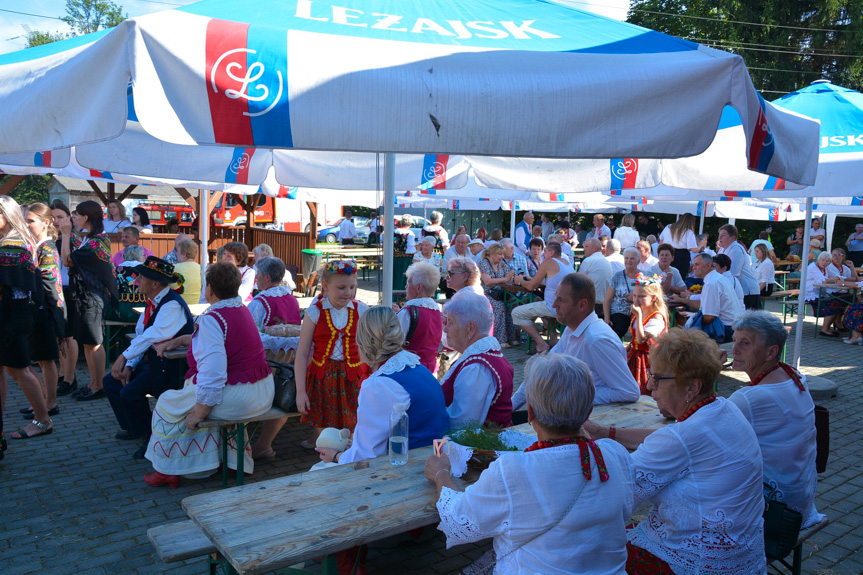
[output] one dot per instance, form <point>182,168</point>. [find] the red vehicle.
<point>232,213</point>
<point>159,214</point>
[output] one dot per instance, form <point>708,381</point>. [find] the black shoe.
<point>142,451</point>
<point>65,388</point>
<point>88,394</point>
<point>125,434</point>
<point>28,413</point>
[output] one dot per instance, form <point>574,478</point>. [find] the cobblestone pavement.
<point>74,502</point>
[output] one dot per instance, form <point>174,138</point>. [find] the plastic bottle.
<point>398,450</point>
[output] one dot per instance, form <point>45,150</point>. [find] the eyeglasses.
<point>654,379</point>
<point>451,273</point>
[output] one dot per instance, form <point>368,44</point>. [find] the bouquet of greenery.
<point>484,440</point>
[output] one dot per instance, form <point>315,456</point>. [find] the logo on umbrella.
<point>246,79</point>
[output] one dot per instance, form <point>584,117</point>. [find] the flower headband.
<point>643,280</point>
<point>347,267</point>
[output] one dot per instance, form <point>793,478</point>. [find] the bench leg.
<point>797,563</point>
<point>240,442</point>
<point>223,434</point>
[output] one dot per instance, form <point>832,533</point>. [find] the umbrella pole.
<point>701,218</point>
<point>512,220</point>
<point>204,232</point>
<point>389,206</point>
<point>831,227</point>
<point>801,299</point>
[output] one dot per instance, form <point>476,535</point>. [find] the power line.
<point>793,49</point>
<point>789,52</point>
<point>166,3</point>
<point>34,15</point>
<point>739,21</point>
<point>780,70</point>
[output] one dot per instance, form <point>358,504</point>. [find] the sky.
<point>12,33</point>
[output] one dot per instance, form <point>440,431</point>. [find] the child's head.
<point>647,294</point>
<point>339,278</point>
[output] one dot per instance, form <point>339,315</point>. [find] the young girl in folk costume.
<point>330,371</point>
<point>51,316</point>
<point>20,296</point>
<point>649,321</point>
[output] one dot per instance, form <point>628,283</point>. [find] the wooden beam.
<point>112,187</point>
<point>214,199</point>
<point>11,184</point>
<point>313,224</point>
<point>126,192</point>
<point>190,199</point>
<point>98,192</point>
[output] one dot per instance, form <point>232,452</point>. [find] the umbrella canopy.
<point>504,78</point>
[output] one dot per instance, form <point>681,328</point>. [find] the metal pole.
<point>701,219</point>
<point>830,226</point>
<point>204,233</point>
<point>801,299</point>
<point>512,221</point>
<point>389,206</point>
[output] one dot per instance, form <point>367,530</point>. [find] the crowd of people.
<point>704,475</point>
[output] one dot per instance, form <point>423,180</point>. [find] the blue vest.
<point>165,373</point>
<point>427,416</point>
<point>527,235</point>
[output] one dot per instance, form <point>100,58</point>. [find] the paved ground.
<point>74,502</point>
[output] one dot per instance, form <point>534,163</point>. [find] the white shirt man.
<point>599,227</point>
<point>347,231</point>
<point>591,340</point>
<point>595,266</point>
<point>458,249</point>
<point>717,298</point>
<point>614,257</point>
<point>523,234</point>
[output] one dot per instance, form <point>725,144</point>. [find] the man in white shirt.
<point>670,276</point>
<point>523,233</point>
<point>547,227</point>
<point>591,340</point>
<point>614,257</point>
<point>599,227</point>
<point>138,371</point>
<point>647,260</point>
<point>458,249</point>
<point>717,299</point>
<point>347,231</point>
<point>476,248</point>
<point>595,266</point>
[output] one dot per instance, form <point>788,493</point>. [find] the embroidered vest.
<point>500,411</point>
<point>644,346</point>
<point>325,337</point>
<point>280,309</point>
<point>426,337</point>
<point>247,361</point>
<point>427,413</point>
<point>161,369</point>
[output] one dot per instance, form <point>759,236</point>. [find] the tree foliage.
<point>38,37</point>
<point>31,189</point>
<point>786,44</point>
<point>86,16</point>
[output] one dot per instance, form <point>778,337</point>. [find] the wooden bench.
<point>113,337</point>
<point>796,566</point>
<point>179,541</point>
<point>785,299</point>
<point>239,436</point>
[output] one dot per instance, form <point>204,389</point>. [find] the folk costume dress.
<point>422,323</point>
<point>703,476</point>
<point>637,353</point>
<point>504,330</point>
<point>227,370</point>
<point>19,300</point>
<point>93,285</point>
<point>51,316</point>
<point>584,486</point>
<point>335,371</point>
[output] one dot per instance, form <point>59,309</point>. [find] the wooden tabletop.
<point>196,308</point>
<point>280,522</point>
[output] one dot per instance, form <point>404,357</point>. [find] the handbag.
<point>285,395</point>
<point>781,525</point>
<point>497,293</point>
<point>822,438</point>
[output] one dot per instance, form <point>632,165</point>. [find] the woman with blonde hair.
<point>494,272</point>
<point>681,236</point>
<point>626,233</point>
<point>649,321</point>
<point>116,219</point>
<point>21,295</point>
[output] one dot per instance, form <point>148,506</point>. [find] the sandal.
<point>28,412</point>
<point>267,454</point>
<point>45,428</point>
<point>306,444</point>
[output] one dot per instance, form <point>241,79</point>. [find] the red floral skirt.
<point>332,398</point>
<point>642,562</point>
<point>638,362</point>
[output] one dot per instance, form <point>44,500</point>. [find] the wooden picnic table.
<point>280,522</point>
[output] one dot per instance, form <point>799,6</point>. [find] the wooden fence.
<point>286,245</point>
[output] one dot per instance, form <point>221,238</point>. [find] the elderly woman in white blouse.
<point>778,405</point>
<point>823,305</point>
<point>463,274</point>
<point>397,377</point>
<point>427,254</point>
<point>702,474</point>
<point>549,509</point>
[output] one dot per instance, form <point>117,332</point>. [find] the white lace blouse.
<point>783,418</point>
<point>703,476</point>
<point>340,320</point>
<point>522,494</point>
